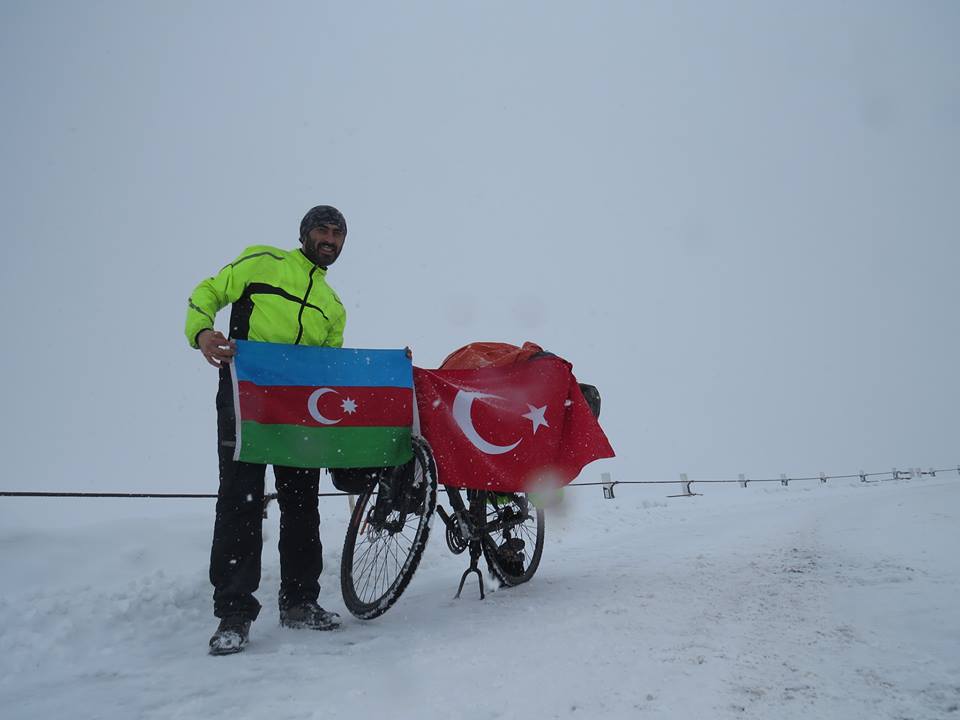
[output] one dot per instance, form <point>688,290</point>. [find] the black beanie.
<point>322,215</point>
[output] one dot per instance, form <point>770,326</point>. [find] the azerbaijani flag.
<point>320,407</point>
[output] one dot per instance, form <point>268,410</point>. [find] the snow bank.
<point>834,601</point>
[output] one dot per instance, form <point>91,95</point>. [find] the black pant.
<point>237,531</point>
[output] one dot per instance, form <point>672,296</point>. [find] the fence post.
<point>863,476</point>
<point>685,487</point>
<point>266,502</point>
<point>783,480</point>
<point>823,477</point>
<point>607,486</point>
<point>743,480</point>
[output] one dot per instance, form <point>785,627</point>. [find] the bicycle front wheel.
<point>387,534</point>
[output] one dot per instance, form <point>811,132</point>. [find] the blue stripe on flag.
<point>303,365</point>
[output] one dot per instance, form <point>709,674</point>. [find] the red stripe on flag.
<point>339,406</point>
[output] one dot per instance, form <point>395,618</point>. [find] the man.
<point>277,296</point>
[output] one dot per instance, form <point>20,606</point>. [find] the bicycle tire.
<point>384,548</point>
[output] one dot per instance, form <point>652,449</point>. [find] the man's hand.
<point>215,347</point>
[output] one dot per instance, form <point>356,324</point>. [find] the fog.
<point>739,220</point>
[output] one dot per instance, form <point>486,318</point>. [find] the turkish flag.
<point>510,429</point>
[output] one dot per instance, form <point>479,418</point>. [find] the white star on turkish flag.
<point>537,416</point>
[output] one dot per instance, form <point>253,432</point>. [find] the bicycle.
<point>390,525</point>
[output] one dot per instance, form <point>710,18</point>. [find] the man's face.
<point>323,244</point>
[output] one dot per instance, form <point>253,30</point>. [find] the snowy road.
<point>811,601</point>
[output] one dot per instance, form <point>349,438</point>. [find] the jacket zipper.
<point>303,306</point>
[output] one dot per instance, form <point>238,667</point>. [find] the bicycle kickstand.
<point>475,553</point>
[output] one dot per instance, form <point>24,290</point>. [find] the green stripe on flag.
<point>324,447</point>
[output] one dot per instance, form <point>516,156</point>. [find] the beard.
<point>321,255</point>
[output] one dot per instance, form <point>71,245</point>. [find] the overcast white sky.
<point>739,220</point>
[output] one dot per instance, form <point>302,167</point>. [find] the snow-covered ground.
<point>835,601</point>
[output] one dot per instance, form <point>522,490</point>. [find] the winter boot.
<point>231,636</point>
<point>309,615</point>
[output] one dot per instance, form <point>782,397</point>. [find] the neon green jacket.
<point>278,296</point>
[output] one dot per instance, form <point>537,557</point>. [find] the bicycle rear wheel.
<point>387,534</point>
<point>513,535</point>
<point>512,531</point>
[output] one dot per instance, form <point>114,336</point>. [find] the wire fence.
<point>686,484</point>
<point>606,482</point>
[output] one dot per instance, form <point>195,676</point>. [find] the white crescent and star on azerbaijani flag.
<point>348,406</point>
<point>462,405</point>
